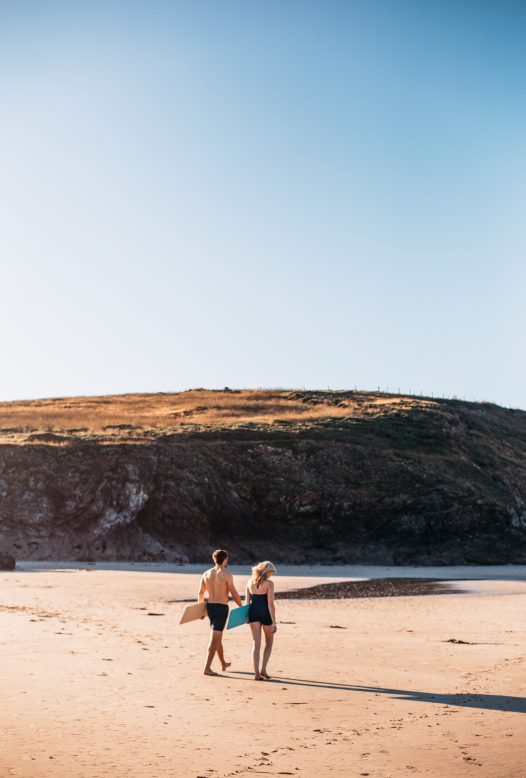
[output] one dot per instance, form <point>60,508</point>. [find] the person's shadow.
<point>500,702</point>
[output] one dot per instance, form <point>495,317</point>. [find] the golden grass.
<point>122,416</point>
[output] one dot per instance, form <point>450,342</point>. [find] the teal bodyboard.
<point>238,616</point>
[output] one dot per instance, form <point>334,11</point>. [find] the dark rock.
<point>7,562</point>
<point>47,437</point>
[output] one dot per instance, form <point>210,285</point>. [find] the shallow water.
<point>341,572</point>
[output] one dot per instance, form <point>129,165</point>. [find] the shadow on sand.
<point>481,701</point>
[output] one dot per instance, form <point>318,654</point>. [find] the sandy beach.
<point>99,681</point>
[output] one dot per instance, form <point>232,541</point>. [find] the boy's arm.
<point>202,590</point>
<point>233,591</point>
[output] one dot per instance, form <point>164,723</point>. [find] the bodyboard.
<point>238,616</point>
<point>193,612</point>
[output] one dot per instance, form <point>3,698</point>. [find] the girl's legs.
<point>255,626</point>
<point>269,640</point>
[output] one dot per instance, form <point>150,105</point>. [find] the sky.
<point>263,193</point>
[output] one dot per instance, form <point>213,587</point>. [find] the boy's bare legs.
<point>256,635</point>
<point>215,638</point>
<point>269,640</point>
<point>219,649</point>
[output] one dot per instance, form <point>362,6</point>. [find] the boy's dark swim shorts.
<point>218,614</point>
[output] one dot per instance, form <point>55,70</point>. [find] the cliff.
<point>287,475</point>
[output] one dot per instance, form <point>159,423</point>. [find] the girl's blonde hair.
<point>262,571</point>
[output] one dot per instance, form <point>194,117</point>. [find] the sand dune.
<point>99,680</point>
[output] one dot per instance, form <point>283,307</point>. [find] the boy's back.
<point>217,585</point>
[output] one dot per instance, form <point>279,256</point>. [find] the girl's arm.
<point>248,596</point>
<point>271,607</point>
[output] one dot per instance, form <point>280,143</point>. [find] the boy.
<point>217,583</point>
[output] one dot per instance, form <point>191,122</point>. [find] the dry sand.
<point>93,684</point>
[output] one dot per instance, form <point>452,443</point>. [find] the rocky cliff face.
<point>402,482</point>
<point>7,562</point>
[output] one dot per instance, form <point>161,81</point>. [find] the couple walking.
<point>218,583</point>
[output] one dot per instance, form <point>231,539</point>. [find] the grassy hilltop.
<point>138,418</point>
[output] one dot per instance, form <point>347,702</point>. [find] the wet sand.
<point>99,680</point>
<point>381,587</point>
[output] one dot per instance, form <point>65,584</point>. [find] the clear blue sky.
<point>263,193</point>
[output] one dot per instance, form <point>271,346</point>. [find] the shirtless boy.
<point>217,583</point>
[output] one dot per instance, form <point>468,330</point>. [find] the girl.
<point>260,595</point>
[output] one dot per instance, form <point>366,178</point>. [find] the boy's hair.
<point>219,556</point>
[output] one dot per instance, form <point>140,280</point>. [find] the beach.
<point>99,680</point>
